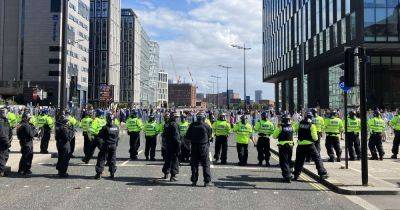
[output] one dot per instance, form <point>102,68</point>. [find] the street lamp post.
<point>227,84</point>
<point>62,85</point>
<point>216,77</point>
<point>70,63</point>
<point>244,48</point>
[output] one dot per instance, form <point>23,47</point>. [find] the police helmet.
<point>99,113</point>
<point>309,115</point>
<point>151,117</point>
<point>133,113</point>
<point>285,119</point>
<point>352,114</point>
<point>109,118</point>
<point>377,113</point>
<point>200,117</point>
<point>333,113</point>
<point>264,115</point>
<point>314,111</point>
<point>222,116</point>
<point>243,117</point>
<point>26,116</point>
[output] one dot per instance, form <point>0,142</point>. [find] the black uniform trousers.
<point>44,143</point>
<point>243,153</point>
<point>221,148</point>
<point>396,143</point>
<point>134,144</point>
<point>301,153</point>
<point>171,164</point>
<point>72,146</point>
<point>4,154</point>
<point>108,152</point>
<point>64,155</point>
<point>200,157</point>
<point>353,145</point>
<point>151,144</point>
<point>163,147</point>
<point>25,163</point>
<point>317,146</point>
<point>375,145</point>
<point>86,144</point>
<point>332,144</point>
<point>285,159</point>
<point>263,149</point>
<point>185,150</point>
<point>93,145</point>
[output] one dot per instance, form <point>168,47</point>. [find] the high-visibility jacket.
<point>44,120</point>
<point>134,124</point>
<point>72,121</point>
<point>307,133</point>
<point>353,125</point>
<point>86,122</point>
<point>333,126</point>
<point>12,119</point>
<point>319,123</point>
<point>395,123</point>
<point>284,134</point>
<point>183,127</point>
<point>221,128</point>
<point>243,132</point>
<point>264,127</point>
<point>97,125</point>
<point>151,128</point>
<point>376,125</point>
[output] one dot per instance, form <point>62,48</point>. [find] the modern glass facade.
<point>324,28</point>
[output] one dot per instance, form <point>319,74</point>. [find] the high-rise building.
<point>311,37</point>
<point>182,95</point>
<point>104,59</point>
<point>130,86</point>
<point>30,47</point>
<point>145,74</point>
<point>258,96</point>
<point>162,88</point>
<point>154,71</point>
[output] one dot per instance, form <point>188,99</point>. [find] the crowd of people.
<point>186,136</point>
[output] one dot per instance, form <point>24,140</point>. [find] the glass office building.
<point>314,34</point>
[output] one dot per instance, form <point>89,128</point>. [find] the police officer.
<point>333,129</point>
<point>134,126</point>
<point>395,123</point>
<point>307,135</point>
<point>376,127</point>
<point>109,135</point>
<point>64,134</point>
<point>199,134</point>
<point>86,123</point>
<point>243,131</point>
<point>264,128</point>
<point>46,123</point>
<point>98,123</point>
<point>352,136</point>
<point>318,121</point>
<point>163,140</point>
<point>222,130</point>
<point>25,133</point>
<point>284,134</point>
<point>173,144</point>
<point>151,130</point>
<point>73,122</point>
<point>5,140</point>
<point>185,143</point>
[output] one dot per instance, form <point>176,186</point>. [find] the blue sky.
<point>198,35</point>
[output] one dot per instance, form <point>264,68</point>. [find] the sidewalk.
<point>15,150</point>
<point>384,176</point>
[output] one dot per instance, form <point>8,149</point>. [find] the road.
<point>138,186</point>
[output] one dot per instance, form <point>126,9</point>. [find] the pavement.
<point>138,186</point>
<point>383,177</point>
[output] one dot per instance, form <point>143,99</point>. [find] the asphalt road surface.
<point>138,186</point>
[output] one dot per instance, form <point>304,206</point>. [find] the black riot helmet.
<point>333,113</point>
<point>151,118</point>
<point>314,111</point>
<point>200,117</point>
<point>222,117</point>
<point>26,116</point>
<point>243,119</point>
<point>352,114</point>
<point>377,113</point>
<point>109,118</point>
<point>264,116</point>
<point>285,119</point>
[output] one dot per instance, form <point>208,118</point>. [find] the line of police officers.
<point>182,140</point>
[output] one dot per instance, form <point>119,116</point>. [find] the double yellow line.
<point>310,181</point>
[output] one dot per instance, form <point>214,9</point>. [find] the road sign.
<point>344,88</point>
<point>106,93</point>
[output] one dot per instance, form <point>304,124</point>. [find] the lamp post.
<point>227,84</point>
<point>216,77</point>
<point>244,48</point>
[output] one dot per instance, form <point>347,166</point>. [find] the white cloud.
<point>202,38</point>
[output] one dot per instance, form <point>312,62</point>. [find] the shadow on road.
<point>48,176</point>
<point>148,181</point>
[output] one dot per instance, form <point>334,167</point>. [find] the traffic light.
<point>349,68</point>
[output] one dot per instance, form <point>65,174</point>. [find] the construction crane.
<point>191,77</point>
<point>177,77</point>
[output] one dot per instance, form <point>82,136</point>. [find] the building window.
<point>55,6</point>
<point>54,48</point>
<point>54,61</point>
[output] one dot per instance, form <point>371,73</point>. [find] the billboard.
<point>106,93</point>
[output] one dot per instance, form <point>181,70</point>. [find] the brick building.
<point>182,95</point>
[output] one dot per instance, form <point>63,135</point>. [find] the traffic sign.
<point>344,88</point>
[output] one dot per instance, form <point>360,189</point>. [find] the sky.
<point>198,35</point>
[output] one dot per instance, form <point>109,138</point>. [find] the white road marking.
<point>150,189</point>
<point>26,186</point>
<point>126,162</point>
<point>88,187</point>
<point>255,192</point>
<point>361,202</point>
<point>129,188</point>
<point>276,193</point>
